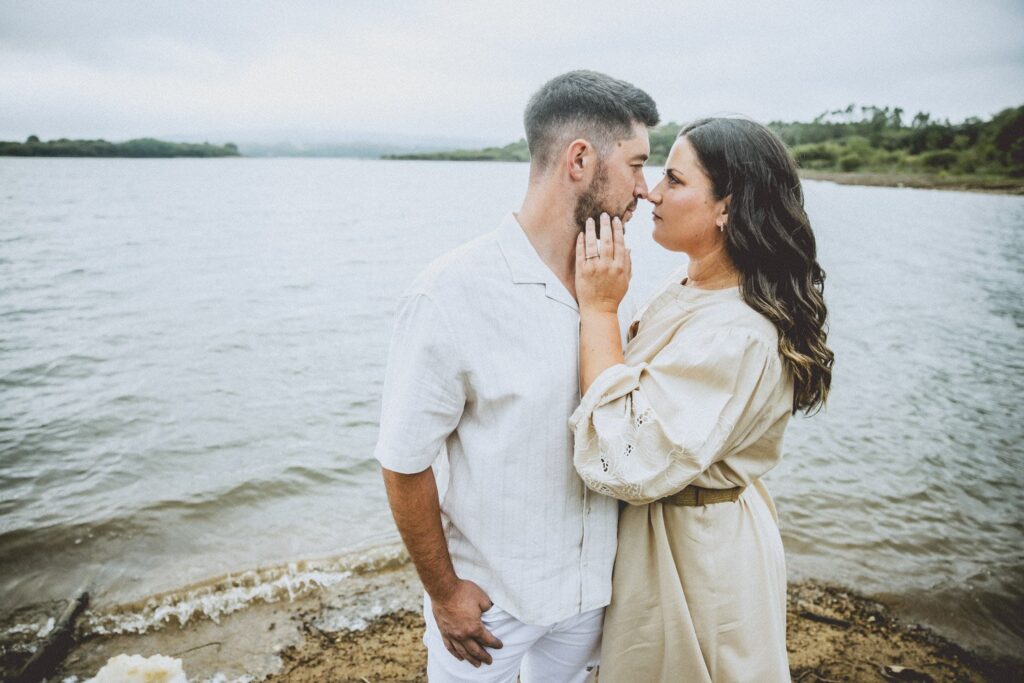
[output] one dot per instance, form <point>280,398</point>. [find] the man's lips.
<point>656,216</point>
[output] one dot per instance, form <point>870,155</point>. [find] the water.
<point>191,357</point>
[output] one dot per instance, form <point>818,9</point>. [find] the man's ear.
<point>578,157</point>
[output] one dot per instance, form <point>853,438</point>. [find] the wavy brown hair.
<point>769,239</point>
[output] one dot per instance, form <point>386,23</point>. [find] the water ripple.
<point>191,358</point>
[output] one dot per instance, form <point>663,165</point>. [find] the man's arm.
<point>457,604</point>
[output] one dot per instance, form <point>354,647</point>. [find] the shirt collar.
<point>525,265</point>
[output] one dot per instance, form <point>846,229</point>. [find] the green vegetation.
<point>516,151</point>
<point>143,147</point>
<point>878,140</point>
<point>870,144</point>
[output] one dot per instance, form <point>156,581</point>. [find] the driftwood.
<point>808,611</point>
<point>56,645</point>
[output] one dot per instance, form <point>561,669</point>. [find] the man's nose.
<point>640,190</point>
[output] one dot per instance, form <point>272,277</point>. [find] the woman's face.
<point>686,213</point>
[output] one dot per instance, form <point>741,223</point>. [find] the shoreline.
<point>369,628</point>
<point>1005,186</point>
<point>832,635</point>
<point>918,181</point>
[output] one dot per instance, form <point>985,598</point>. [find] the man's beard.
<point>590,204</point>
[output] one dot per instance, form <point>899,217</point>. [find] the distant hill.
<point>352,150</point>
<point>141,148</point>
<point>516,151</point>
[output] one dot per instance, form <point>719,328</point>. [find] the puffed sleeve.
<point>645,431</point>
<point>424,391</point>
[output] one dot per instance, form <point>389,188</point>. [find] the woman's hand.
<point>602,277</point>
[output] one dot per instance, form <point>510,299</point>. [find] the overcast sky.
<point>464,70</point>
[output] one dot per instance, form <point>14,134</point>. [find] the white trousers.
<point>565,652</point>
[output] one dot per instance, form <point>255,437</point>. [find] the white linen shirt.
<point>483,367</point>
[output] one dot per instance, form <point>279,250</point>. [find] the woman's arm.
<point>602,278</point>
<point>645,431</point>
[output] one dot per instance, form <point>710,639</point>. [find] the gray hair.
<point>584,104</point>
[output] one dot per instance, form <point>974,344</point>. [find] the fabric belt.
<point>698,495</point>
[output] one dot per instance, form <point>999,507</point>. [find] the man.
<point>516,556</point>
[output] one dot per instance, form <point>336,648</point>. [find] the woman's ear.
<point>723,215</point>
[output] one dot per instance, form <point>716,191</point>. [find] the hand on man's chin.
<point>625,218</point>
<point>628,214</point>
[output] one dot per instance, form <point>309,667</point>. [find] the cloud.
<point>465,69</point>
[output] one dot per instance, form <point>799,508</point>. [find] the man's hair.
<point>584,104</point>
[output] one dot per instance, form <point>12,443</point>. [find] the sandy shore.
<point>369,629</point>
<point>833,635</point>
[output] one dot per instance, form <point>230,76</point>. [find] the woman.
<point>685,423</point>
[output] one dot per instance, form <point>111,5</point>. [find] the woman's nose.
<point>654,195</point>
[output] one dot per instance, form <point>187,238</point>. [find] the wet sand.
<point>833,634</point>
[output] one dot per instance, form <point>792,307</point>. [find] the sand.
<point>833,635</point>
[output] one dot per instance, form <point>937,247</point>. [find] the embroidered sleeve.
<point>645,431</point>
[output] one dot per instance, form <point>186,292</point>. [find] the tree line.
<point>140,148</point>
<point>876,139</point>
<point>885,139</point>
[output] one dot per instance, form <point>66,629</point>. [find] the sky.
<point>307,70</point>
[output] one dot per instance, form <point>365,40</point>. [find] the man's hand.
<point>457,604</point>
<point>457,614</point>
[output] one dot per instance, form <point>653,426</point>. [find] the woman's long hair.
<point>769,239</point>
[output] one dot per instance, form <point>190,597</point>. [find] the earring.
<point>721,227</point>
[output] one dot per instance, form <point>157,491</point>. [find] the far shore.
<point>926,181</point>
<point>1011,186</point>
<point>921,181</point>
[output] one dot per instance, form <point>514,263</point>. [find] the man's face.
<point>618,180</point>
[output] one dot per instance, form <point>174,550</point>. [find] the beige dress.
<point>698,593</point>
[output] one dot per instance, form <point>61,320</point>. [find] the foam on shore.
<point>224,595</point>
<point>219,596</point>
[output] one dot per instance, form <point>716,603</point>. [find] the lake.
<point>192,352</point>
